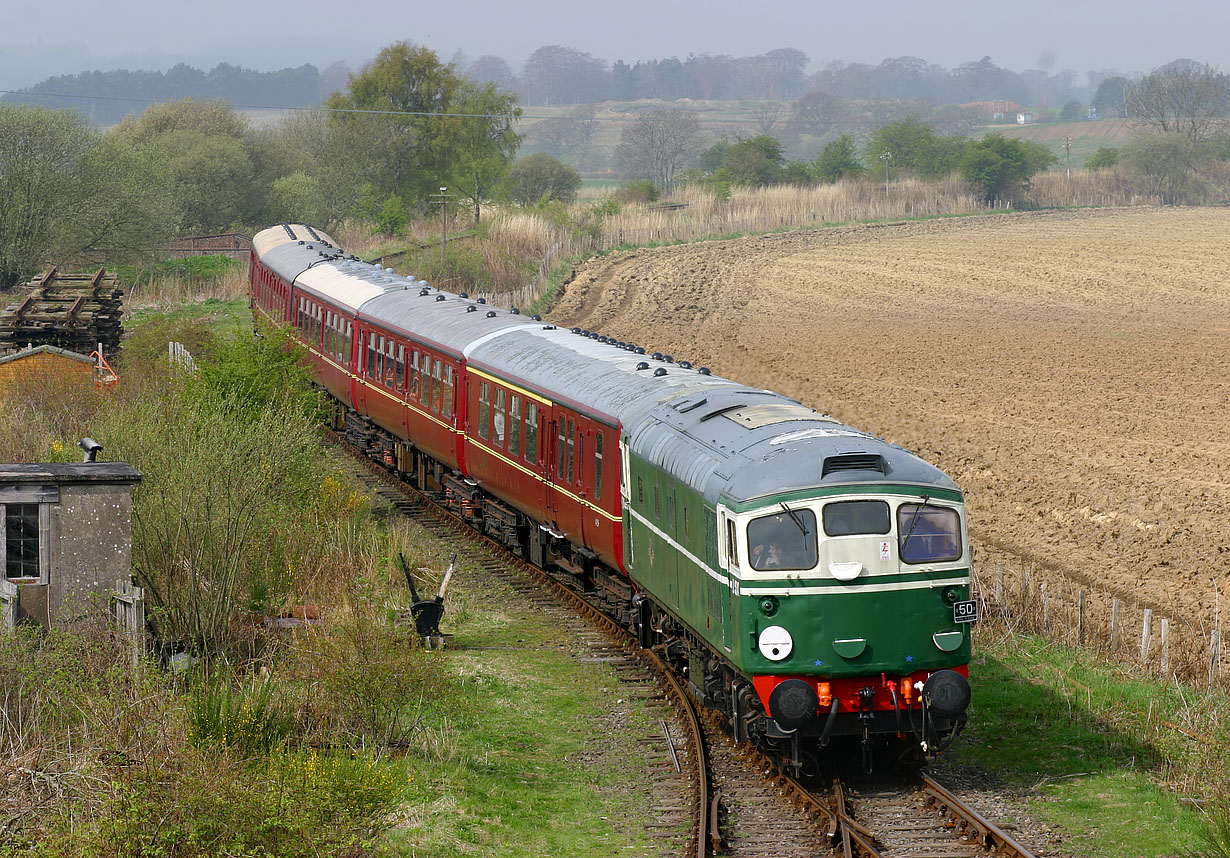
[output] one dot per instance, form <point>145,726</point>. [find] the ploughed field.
<point>1070,370</point>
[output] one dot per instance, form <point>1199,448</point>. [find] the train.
<point>810,580</point>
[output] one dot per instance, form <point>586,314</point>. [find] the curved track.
<point>727,798</point>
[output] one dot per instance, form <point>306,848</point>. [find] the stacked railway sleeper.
<point>715,793</point>
<point>78,312</point>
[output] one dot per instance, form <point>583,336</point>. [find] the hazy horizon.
<point>72,36</point>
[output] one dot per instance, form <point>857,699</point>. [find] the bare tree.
<point>658,145</point>
<point>1182,98</point>
<point>766,115</point>
<point>817,113</point>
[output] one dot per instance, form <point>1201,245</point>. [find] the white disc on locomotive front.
<point>775,643</point>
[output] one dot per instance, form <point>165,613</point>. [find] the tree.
<point>555,74</point>
<point>754,161</point>
<point>817,113</point>
<point>915,148</point>
<point>1103,157</point>
<point>838,160</point>
<point>1161,164</point>
<point>1073,110</point>
<point>540,177</point>
<point>213,117</point>
<point>1113,97</point>
<point>297,198</point>
<point>483,141</point>
<point>69,191</point>
<point>492,69</point>
<point>209,178</point>
<point>999,165</point>
<point>657,146</point>
<point>1182,98</point>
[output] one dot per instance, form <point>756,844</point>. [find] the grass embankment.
<point>1097,751</point>
<point>344,738</point>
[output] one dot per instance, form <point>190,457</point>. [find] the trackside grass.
<point>1096,751</point>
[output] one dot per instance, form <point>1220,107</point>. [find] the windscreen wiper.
<point>794,515</point>
<point>914,521</point>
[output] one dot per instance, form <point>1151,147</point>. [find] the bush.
<point>247,720</point>
<point>1105,156</point>
<point>639,191</point>
<point>540,177</point>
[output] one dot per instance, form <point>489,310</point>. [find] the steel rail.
<point>990,835</point>
<point>707,834</point>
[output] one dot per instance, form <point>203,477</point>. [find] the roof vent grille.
<point>853,462</point>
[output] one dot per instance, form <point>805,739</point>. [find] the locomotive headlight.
<point>768,606</point>
<point>952,595</point>
<point>775,643</point>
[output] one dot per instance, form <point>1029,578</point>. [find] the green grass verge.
<point>220,317</point>
<point>547,759</point>
<point>1094,747</point>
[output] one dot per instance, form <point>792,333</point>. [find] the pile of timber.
<point>77,312</point>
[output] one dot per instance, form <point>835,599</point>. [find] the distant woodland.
<point>560,75</point>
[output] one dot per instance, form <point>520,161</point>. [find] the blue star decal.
<point>909,658</point>
<point>819,663</point>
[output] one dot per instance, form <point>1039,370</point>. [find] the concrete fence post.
<point>1080,617</point>
<point>1116,611</point>
<point>999,584</point>
<point>1165,647</point>
<point>1214,655</point>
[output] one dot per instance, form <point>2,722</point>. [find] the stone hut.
<point>67,538</point>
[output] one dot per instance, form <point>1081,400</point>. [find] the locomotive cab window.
<point>928,534</point>
<point>784,540</point>
<point>850,518</point>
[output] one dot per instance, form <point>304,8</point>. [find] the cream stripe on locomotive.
<point>766,588</point>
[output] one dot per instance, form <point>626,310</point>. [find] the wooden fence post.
<point>1116,609</point>
<point>1165,646</point>
<point>1046,607</point>
<point>999,585</point>
<point>1214,655</point>
<point>1080,617</point>
<point>1146,635</point>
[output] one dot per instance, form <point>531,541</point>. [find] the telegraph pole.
<point>443,196</point>
<point>886,156</point>
<point>1067,148</point>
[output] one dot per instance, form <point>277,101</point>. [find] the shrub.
<point>248,720</point>
<point>639,191</point>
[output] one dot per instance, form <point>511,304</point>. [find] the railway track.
<point>715,796</point>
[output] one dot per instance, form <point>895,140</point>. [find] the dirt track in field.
<point>1068,369</point>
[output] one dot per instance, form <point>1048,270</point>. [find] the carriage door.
<point>552,450</point>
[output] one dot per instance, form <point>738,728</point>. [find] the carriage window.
<point>448,392</point>
<point>371,355</point>
<point>571,447</point>
<point>928,534</point>
<point>380,361</point>
<point>414,374</point>
<point>598,466</point>
<point>531,432</point>
<point>425,383</point>
<point>559,451</point>
<point>390,364</point>
<point>436,392</point>
<point>848,518</point>
<point>514,425</point>
<point>498,418</point>
<point>484,409</point>
<point>784,540</point>
<point>401,366</point>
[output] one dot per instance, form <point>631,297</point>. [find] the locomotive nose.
<point>947,694</point>
<point>793,703</point>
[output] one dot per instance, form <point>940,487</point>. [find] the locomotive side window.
<point>448,392</point>
<point>849,518</point>
<point>514,426</point>
<point>498,418</point>
<point>732,553</point>
<point>531,432</point>
<point>928,534</point>
<point>484,409</point>
<point>783,540</point>
<point>598,466</point>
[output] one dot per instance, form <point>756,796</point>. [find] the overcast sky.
<point>42,37</point>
